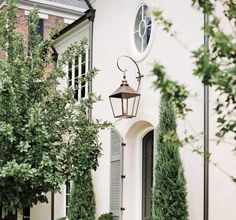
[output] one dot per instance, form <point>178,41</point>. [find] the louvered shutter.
<point>115,175</point>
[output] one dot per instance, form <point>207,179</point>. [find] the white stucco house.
<point>121,184</point>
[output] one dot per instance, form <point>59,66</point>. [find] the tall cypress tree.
<point>169,190</point>
<point>82,201</point>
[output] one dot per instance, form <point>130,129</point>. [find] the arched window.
<point>142,28</point>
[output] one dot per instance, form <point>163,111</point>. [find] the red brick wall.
<point>51,22</point>
<point>22,25</point>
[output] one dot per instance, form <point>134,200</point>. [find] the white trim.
<point>68,21</point>
<point>41,15</point>
<point>133,139</point>
<point>62,11</point>
<point>2,4</point>
<point>54,5</point>
<point>70,34</point>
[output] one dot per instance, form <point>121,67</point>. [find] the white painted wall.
<point>41,211</point>
<point>114,23</point>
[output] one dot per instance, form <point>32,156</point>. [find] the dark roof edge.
<point>89,14</point>
<point>88,4</point>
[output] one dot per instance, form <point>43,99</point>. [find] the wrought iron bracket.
<point>139,77</point>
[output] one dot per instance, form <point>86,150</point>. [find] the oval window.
<point>142,28</point>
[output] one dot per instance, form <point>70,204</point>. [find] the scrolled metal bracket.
<point>125,70</point>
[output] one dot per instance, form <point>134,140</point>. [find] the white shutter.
<point>115,175</point>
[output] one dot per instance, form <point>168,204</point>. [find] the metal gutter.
<point>89,4</point>
<point>206,130</point>
<point>91,29</point>
<point>89,14</point>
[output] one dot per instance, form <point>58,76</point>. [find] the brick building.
<point>52,13</point>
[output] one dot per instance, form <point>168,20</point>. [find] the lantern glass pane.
<point>125,107</point>
<point>116,106</point>
<point>133,105</point>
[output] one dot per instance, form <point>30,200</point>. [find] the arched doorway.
<point>147,174</point>
<point>137,157</point>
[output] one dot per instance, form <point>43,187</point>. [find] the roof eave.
<point>88,15</point>
<point>53,5</point>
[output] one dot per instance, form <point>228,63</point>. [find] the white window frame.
<point>76,66</point>
<point>139,56</point>
<point>138,30</point>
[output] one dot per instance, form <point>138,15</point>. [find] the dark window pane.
<point>147,174</point>
<point>138,41</point>
<point>83,57</point>
<point>76,72</point>
<point>70,83</point>
<point>146,37</point>
<point>70,73</point>
<point>138,19</point>
<point>40,28</point>
<point>26,213</point>
<point>76,83</point>
<point>70,65</point>
<point>67,187</point>
<point>76,61</point>
<point>83,68</point>
<point>76,95</point>
<point>83,91</point>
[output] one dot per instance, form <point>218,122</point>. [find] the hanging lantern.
<point>125,100</point>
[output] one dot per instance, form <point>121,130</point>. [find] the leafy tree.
<point>40,125</point>
<point>169,190</point>
<point>217,66</point>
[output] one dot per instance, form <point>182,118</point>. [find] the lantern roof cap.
<point>124,91</point>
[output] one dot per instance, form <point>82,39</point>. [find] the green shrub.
<point>63,218</point>
<point>82,201</point>
<point>106,216</point>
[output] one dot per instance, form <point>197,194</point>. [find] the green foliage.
<point>43,130</point>
<point>174,91</point>
<point>206,5</point>
<point>215,66</point>
<point>169,190</point>
<point>82,200</point>
<point>106,216</point>
<point>167,24</point>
